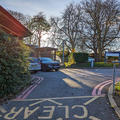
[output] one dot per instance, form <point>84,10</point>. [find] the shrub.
<point>76,58</point>
<point>80,57</point>
<point>14,73</point>
<point>60,53</point>
<point>103,64</point>
<point>117,88</point>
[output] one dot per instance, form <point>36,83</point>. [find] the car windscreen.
<point>46,59</point>
<point>33,60</point>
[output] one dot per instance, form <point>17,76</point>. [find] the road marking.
<point>60,98</point>
<point>72,83</point>
<point>59,119</point>
<point>96,87</point>
<point>37,103</point>
<point>51,111</point>
<point>2,109</point>
<point>54,102</point>
<point>84,109</point>
<point>93,118</point>
<point>25,93</point>
<point>66,111</point>
<point>91,100</point>
<point>29,91</point>
<point>44,101</point>
<point>29,112</point>
<point>20,96</point>
<point>100,89</point>
<point>13,113</point>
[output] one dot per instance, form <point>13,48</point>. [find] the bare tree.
<point>68,27</point>
<point>39,25</point>
<point>101,25</point>
<point>24,19</point>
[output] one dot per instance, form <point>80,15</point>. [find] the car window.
<point>46,59</point>
<point>33,60</point>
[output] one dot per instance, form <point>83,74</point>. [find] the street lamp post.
<point>63,52</point>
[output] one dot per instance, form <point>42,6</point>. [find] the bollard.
<point>114,74</point>
<point>92,63</point>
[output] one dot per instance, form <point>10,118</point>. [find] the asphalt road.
<point>64,95</point>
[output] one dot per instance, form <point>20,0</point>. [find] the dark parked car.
<point>49,64</point>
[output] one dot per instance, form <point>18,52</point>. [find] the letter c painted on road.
<point>84,110</point>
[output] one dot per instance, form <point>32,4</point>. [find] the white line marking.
<point>91,100</point>
<point>75,97</point>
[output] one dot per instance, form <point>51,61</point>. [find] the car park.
<point>34,64</point>
<point>48,64</point>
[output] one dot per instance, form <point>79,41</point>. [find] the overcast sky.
<point>32,7</point>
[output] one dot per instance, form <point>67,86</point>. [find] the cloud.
<point>30,7</point>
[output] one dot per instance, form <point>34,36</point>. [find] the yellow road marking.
<point>29,112</point>
<point>66,111</point>
<point>2,109</point>
<point>91,100</point>
<point>54,102</point>
<point>60,98</point>
<point>84,109</point>
<point>72,83</point>
<point>50,111</point>
<point>36,103</point>
<point>59,119</point>
<point>13,113</point>
<point>93,118</point>
<point>44,101</point>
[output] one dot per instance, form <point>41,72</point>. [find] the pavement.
<point>112,101</point>
<point>69,94</point>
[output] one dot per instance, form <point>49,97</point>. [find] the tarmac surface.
<point>69,94</point>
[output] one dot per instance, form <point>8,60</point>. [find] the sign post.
<point>63,52</point>
<point>92,63</point>
<point>114,75</point>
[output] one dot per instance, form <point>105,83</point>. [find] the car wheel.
<point>44,69</point>
<point>56,69</point>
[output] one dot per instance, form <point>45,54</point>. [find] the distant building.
<point>43,51</point>
<point>48,52</point>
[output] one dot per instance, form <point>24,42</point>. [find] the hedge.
<point>80,57</point>
<point>14,73</point>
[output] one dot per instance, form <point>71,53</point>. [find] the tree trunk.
<point>95,55</point>
<point>100,56</point>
